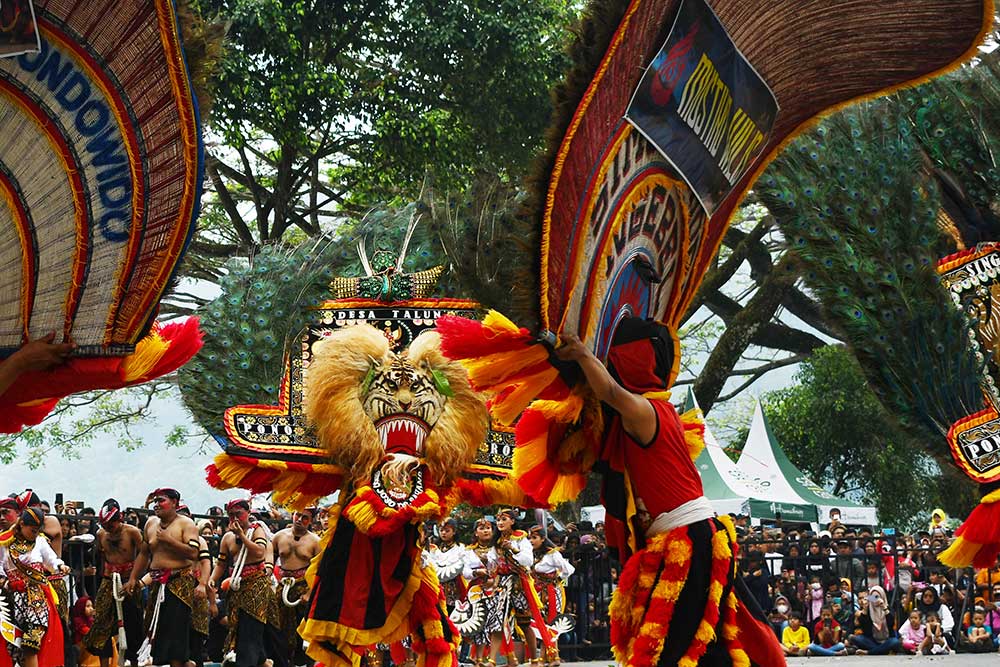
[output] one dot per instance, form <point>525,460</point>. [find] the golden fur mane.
<point>333,403</point>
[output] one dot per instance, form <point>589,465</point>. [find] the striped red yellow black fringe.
<point>650,584</point>
<point>722,563</point>
<point>642,607</point>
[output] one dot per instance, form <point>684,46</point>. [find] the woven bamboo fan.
<point>100,172</point>
<point>814,56</point>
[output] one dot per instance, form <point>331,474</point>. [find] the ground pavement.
<point>952,660</point>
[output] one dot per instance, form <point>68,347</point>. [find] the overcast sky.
<point>107,471</point>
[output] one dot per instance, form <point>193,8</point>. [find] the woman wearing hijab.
<point>878,628</point>
<point>930,602</point>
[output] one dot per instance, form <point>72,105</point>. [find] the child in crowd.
<point>980,634</point>
<point>934,642</point>
<point>82,617</point>
<point>913,634</point>
<point>829,635</point>
<point>815,604</point>
<point>872,575</point>
<point>795,637</point>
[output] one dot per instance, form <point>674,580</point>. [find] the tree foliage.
<point>326,107</point>
<point>835,430</point>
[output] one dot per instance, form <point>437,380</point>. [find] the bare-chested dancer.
<point>118,545</point>
<point>250,608</point>
<point>294,548</point>
<point>169,549</point>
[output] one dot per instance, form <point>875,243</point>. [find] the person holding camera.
<point>878,634</point>
<point>828,635</point>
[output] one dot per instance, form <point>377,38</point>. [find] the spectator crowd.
<point>850,590</point>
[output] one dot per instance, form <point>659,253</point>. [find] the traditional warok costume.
<point>110,598</point>
<point>250,602</point>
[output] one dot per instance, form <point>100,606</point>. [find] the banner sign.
<point>280,432</point>
<point>18,28</point>
<point>763,509</point>
<point>972,277</point>
<point>703,105</point>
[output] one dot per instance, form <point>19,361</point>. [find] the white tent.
<point>763,461</point>
<point>732,491</point>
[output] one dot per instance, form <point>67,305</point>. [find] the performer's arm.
<point>470,564</point>
<point>638,415</point>
<point>38,355</point>
<point>221,563</point>
<point>255,542</point>
<point>139,566</point>
<point>566,568</point>
<point>52,562</point>
<point>204,567</point>
<point>524,556</point>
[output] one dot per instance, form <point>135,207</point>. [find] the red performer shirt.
<point>662,473</point>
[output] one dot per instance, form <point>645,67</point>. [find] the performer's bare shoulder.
<point>53,531</point>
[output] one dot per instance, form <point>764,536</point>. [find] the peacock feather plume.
<point>857,204</point>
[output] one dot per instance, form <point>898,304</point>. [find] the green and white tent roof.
<point>732,491</point>
<point>765,462</point>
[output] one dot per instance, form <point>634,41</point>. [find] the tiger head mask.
<point>388,417</point>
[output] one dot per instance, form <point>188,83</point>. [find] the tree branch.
<point>758,372</point>
<point>742,245</point>
<point>228,205</point>
<point>741,330</point>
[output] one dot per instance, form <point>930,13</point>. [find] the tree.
<point>869,202</point>
<point>835,430</point>
<point>325,108</point>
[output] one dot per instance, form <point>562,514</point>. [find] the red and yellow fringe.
<point>491,491</point>
<point>165,349</point>
<point>295,485</point>
<point>557,445</point>
<point>977,540</point>
<point>374,518</point>
<point>503,360</point>
<point>642,607</point>
<point>694,432</point>
<point>650,584</point>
